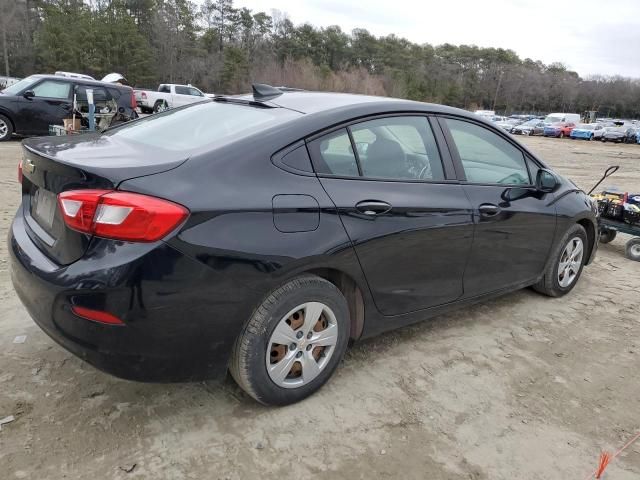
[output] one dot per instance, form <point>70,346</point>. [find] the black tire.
<point>531,133</point>
<point>607,235</point>
<point>6,128</point>
<point>549,284</point>
<point>248,359</point>
<point>159,106</point>
<point>632,249</point>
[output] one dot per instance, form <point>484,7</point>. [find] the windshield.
<point>531,123</point>
<point>18,87</point>
<point>202,124</point>
<point>585,126</point>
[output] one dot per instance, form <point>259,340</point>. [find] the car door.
<point>407,217</point>
<point>183,95</point>
<point>514,222</point>
<point>50,103</point>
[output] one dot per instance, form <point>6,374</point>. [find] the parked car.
<point>632,135</point>
<point>169,95</point>
<point>558,130</point>
<point>508,124</point>
<point>166,249</point>
<point>562,118</point>
<point>587,131</point>
<point>532,127</point>
<point>31,105</point>
<point>618,134</point>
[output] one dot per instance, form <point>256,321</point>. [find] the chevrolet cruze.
<point>261,234</point>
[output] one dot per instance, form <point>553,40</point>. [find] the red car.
<point>560,129</point>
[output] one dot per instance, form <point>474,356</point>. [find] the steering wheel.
<point>425,173</point>
<point>514,179</point>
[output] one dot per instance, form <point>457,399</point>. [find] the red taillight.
<point>134,104</point>
<point>120,215</point>
<point>20,172</point>
<point>96,315</point>
<point>143,95</point>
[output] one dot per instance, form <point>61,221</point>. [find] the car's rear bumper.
<point>180,318</point>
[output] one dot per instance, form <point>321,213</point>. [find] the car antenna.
<point>262,92</point>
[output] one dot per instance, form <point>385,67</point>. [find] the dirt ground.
<point>523,387</point>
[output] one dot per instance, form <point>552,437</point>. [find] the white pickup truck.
<point>169,95</point>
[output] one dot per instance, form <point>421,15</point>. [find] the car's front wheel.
<point>565,265</point>
<point>293,341</point>
<point>6,128</point>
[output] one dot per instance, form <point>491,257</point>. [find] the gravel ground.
<point>523,387</point>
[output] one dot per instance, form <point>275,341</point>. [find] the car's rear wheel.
<point>160,106</point>
<point>293,342</point>
<point>6,128</point>
<point>566,264</point>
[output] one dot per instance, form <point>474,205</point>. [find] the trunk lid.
<point>52,165</point>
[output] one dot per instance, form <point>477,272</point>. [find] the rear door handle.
<point>373,207</point>
<point>488,210</point>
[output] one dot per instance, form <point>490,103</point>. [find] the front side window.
<point>486,157</point>
<point>195,92</point>
<point>52,89</point>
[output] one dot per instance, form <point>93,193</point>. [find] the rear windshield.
<point>202,124</point>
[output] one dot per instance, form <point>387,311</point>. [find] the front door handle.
<point>373,207</point>
<point>488,210</point>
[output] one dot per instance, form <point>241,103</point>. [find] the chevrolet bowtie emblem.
<point>29,166</point>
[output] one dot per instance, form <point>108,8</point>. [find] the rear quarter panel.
<point>230,193</point>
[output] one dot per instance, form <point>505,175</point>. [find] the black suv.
<point>31,105</point>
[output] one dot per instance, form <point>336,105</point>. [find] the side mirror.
<point>29,94</point>
<point>546,181</point>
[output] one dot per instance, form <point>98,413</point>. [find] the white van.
<point>562,117</point>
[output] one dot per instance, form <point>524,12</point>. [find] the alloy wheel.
<point>301,345</point>
<point>4,129</point>
<point>570,262</point>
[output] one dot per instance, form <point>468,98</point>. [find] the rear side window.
<point>52,89</point>
<point>202,124</point>
<point>486,157</point>
<point>164,89</point>
<point>397,148</point>
<point>394,148</point>
<point>183,91</point>
<point>333,154</point>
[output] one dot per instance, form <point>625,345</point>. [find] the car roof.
<point>310,102</point>
<point>78,80</point>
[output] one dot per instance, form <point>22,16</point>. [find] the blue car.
<point>587,131</point>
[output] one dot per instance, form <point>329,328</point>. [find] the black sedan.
<point>261,234</point>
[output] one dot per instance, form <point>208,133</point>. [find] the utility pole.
<point>495,98</point>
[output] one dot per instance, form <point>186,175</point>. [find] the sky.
<point>588,36</point>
